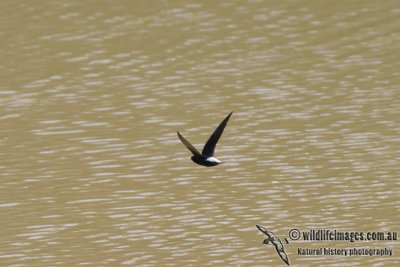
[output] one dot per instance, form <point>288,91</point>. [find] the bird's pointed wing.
<point>282,253</point>
<point>209,147</point>
<point>265,231</point>
<point>188,145</point>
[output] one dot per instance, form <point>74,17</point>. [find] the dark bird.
<point>276,242</point>
<point>206,158</point>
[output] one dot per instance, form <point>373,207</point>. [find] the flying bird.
<point>206,157</point>
<point>276,242</point>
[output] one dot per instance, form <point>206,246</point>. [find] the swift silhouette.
<point>206,157</point>
<point>276,242</point>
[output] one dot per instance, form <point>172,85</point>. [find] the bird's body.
<point>206,157</point>
<point>276,242</point>
<point>208,162</point>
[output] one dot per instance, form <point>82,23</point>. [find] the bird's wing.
<point>265,231</point>
<point>281,250</point>
<point>209,147</point>
<point>188,145</point>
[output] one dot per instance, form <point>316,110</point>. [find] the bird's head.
<point>266,241</point>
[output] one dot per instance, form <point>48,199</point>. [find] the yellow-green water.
<point>93,92</point>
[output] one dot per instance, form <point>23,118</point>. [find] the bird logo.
<point>276,242</point>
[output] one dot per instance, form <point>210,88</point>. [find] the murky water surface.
<point>93,92</point>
